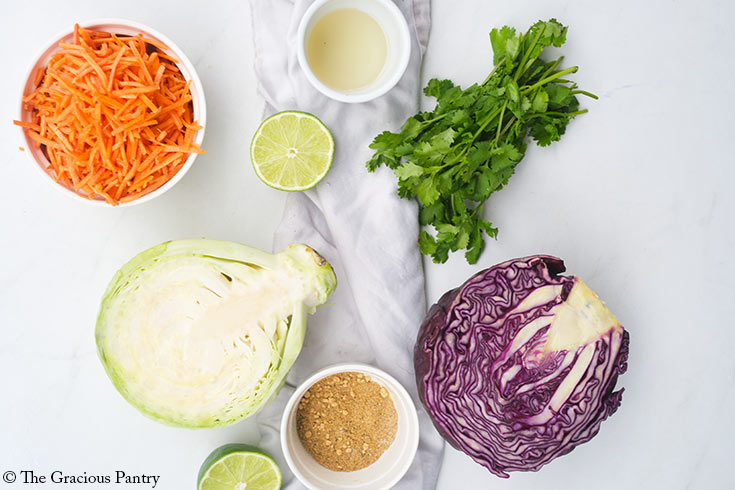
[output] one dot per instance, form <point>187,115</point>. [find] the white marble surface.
<point>637,198</point>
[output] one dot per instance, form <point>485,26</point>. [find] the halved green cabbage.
<point>202,333</point>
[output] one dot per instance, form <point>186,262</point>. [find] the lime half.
<point>239,467</point>
<point>292,151</point>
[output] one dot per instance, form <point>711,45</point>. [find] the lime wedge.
<point>239,467</point>
<point>292,151</point>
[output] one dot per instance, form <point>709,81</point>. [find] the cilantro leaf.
<point>427,244</point>
<point>476,244</point>
<point>436,88</point>
<point>506,155</point>
<point>408,170</point>
<point>431,213</point>
<point>505,44</point>
<point>411,128</point>
<point>426,191</point>
<point>540,101</point>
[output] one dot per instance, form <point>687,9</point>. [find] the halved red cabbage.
<point>518,365</point>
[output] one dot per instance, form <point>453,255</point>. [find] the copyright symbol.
<point>9,477</point>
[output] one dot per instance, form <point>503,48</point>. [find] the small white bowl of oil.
<point>353,50</point>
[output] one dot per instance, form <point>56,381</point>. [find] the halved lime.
<point>292,151</point>
<point>239,467</point>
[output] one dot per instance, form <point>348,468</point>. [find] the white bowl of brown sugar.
<point>350,426</point>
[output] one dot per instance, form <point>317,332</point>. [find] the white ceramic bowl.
<point>118,26</point>
<point>382,474</point>
<point>395,28</point>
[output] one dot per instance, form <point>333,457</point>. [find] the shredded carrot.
<point>113,114</point>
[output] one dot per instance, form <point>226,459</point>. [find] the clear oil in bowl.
<point>347,49</point>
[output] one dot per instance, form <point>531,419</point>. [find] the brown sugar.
<point>346,421</point>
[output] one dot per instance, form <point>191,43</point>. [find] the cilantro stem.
<point>468,145</point>
<point>554,113</point>
<point>584,92</point>
<point>484,125</point>
<point>508,125</point>
<point>495,68</point>
<point>528,51</point>
<point>500,122</point>
<point>552,66</point>
<point>438,118</point>
<point>546,80</point>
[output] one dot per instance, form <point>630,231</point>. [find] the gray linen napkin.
<point>356,221</point>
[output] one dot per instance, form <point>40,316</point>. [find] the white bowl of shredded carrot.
<point>112,113</point>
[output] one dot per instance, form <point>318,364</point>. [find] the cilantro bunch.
<point>454,157</point>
